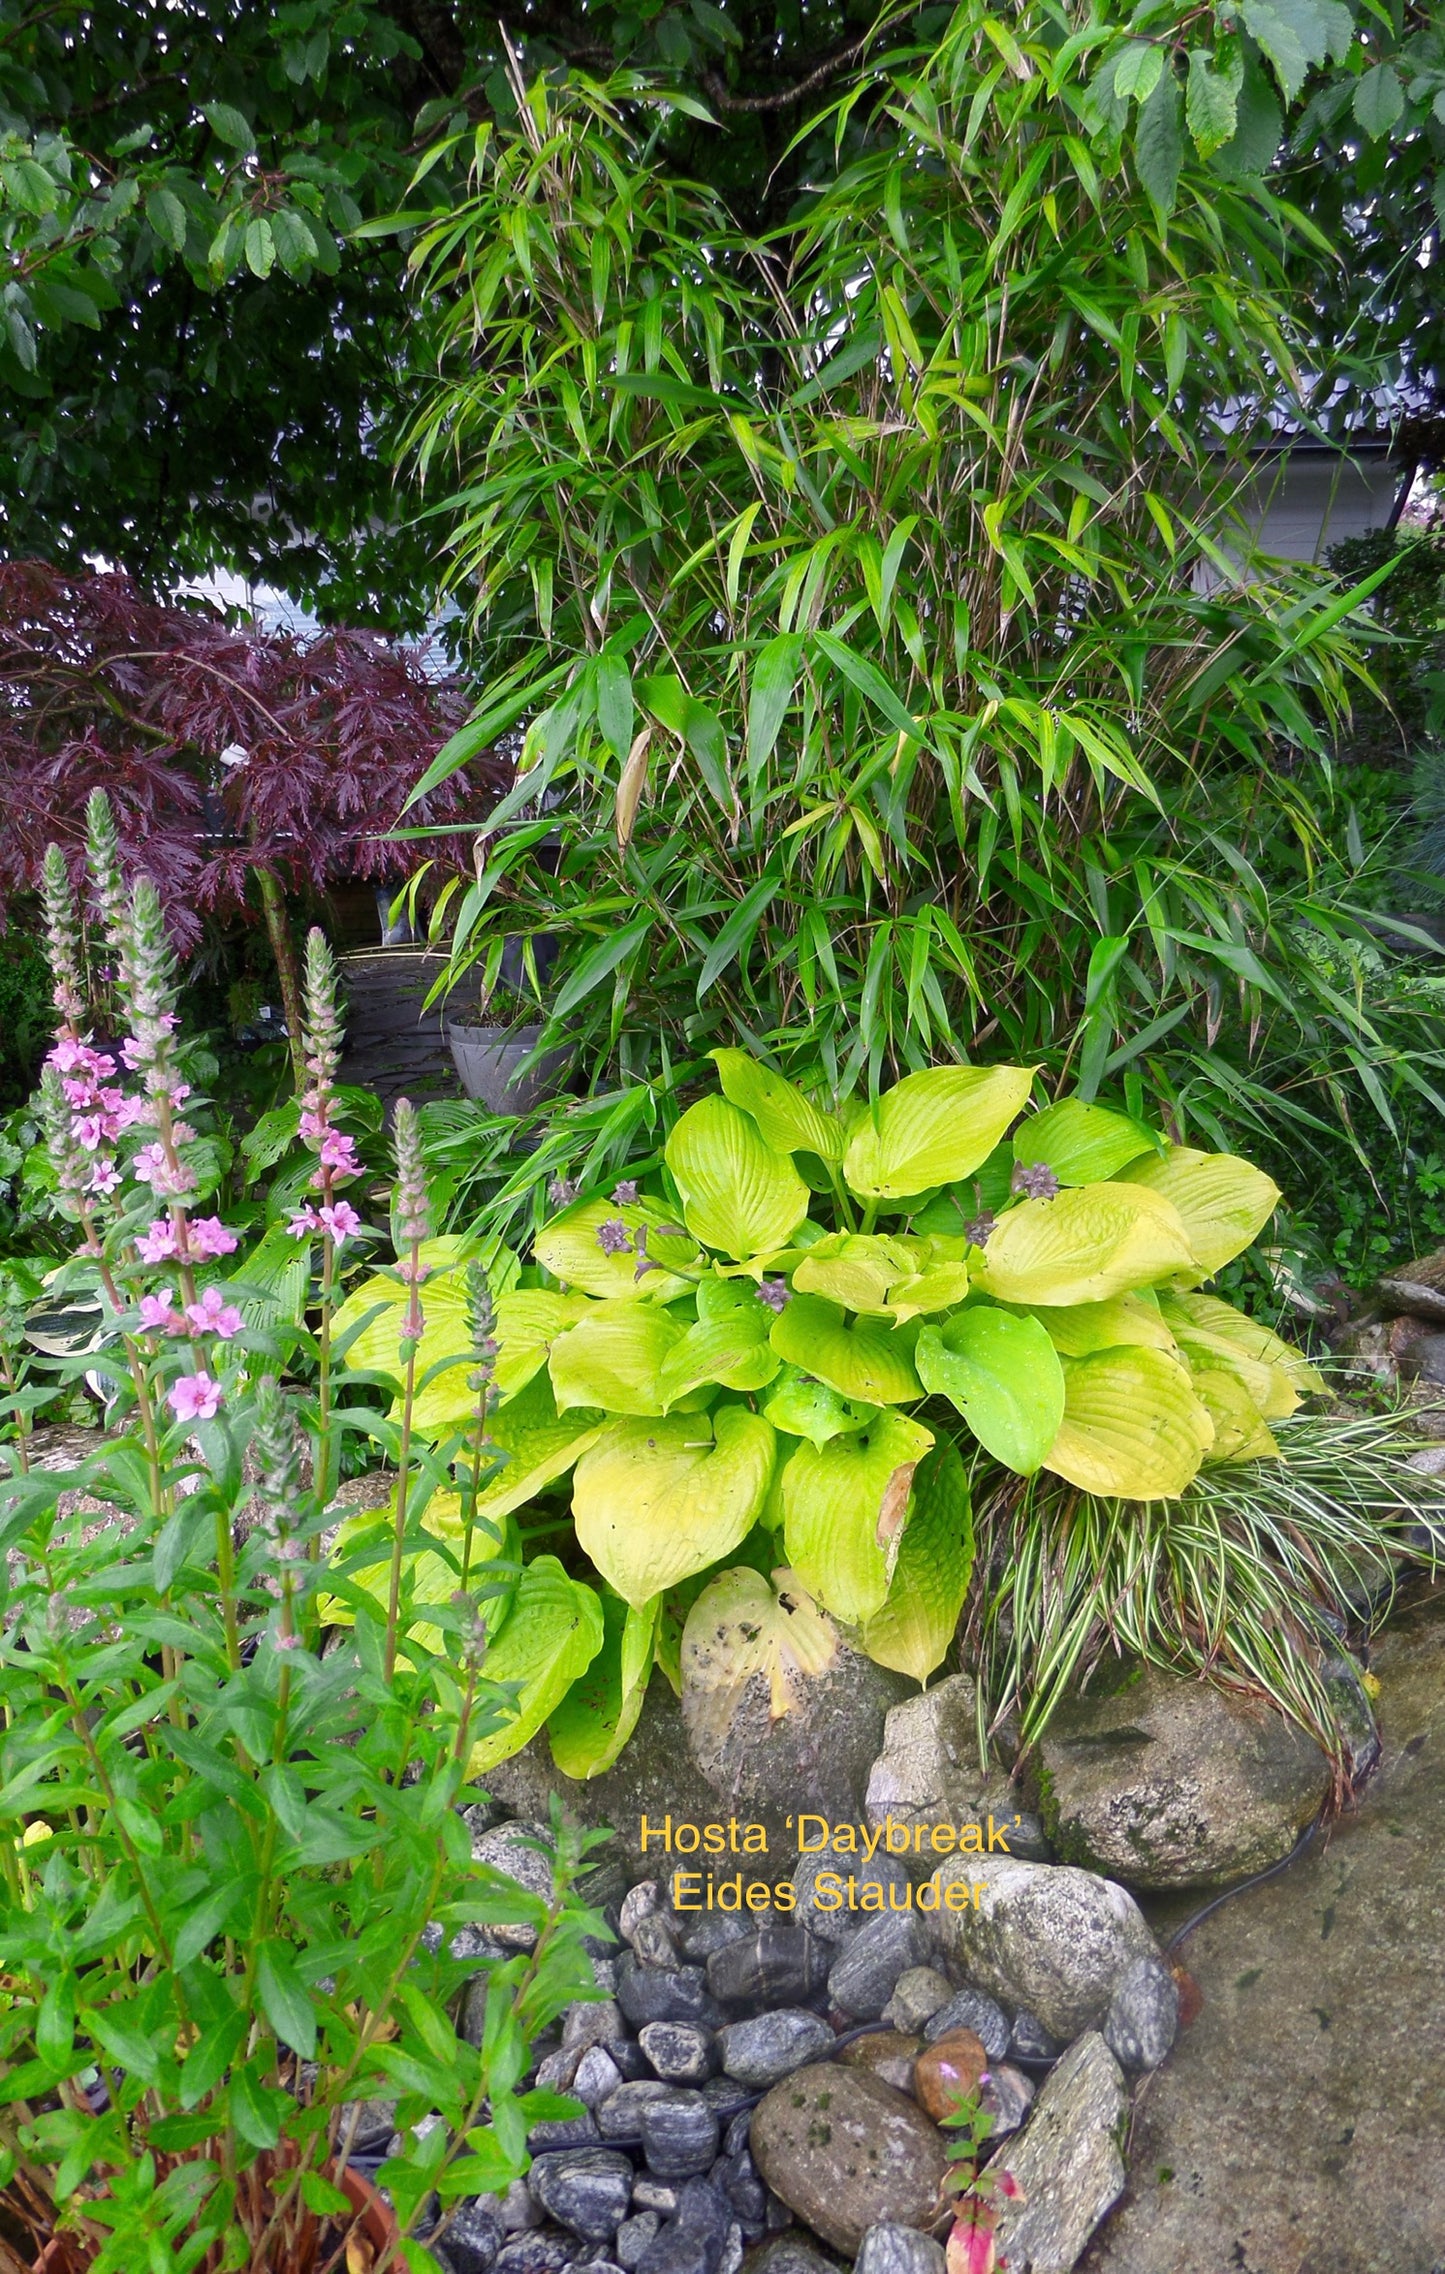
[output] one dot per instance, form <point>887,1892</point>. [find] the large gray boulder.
<point>848,2152</point>
<point>1164,1782</point>
<point>1045,1937</point>
<point>928,1773</point>
<point>1067,2163</point>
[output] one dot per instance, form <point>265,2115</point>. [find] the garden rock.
<point>568,2132</point>
<point>620,2118</point>
<point>899,2250</point>
<point>713,1932</point>
<point>1007,2095</point>
<point>517,2209</point>
<point>586,2189</point>
<point>884,2053</point>
<point>507,1848</point>
<point>590,2021</point>
<point>727,2098</point>
<point>947,2073</point>
<point>970,2009</point>
<point>1162,1782</point>
<point>1028,2040</point>
<point>791,2255</point>
<point>775,1966</point>
<point>1143,2017</point>
<point>847,2152</point>
<point>694,2239</point>
<point>546,2250</point>
<point>654,1940</point>
<point>679,2134</point>
<point>637,1904</point>
<point>836,1924</point>
<point>633,2237</point>
<point>1048,1938</point>
<point>597,2077</point>
<point>679,2051</point>
<point>628,2058</point>
<point>1066,2162</point>
<point>657,1993</point>
<point>917,1996</point>
<point>758,2052</point>
<point>649,2194</point>
<point>474,2236</point>
<point>823,1746</point>
<point>866,1972</point>
<point>927,1773</point>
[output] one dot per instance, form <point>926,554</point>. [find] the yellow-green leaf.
<point>1082,1144</point>
<point>804,1407</point>
<point>1207,1315</point>
<point>569,1248</point>
<point>917,1623</point>
<point>1076,1329</point>
<point>740,1627</point>
<point>428,1577</point>
<point>844,1509</point>
<point>739,1194</point>
<point>1093,1241</point>
<point>1224,1202</point>
<point>733,1350</point>
<point>594,1720</point>
<point>1241,1432</point>
<point>932,1129</point>
<point>862,1359</point>
<point>551,1635</point>
<point>1004,1376</point>
<point>789,1122</point>
<point>534,1445</point>
<point>1133,1428</point>
<point>529,1321</point>
<point>655,1501</point>
<point>613,1358</point>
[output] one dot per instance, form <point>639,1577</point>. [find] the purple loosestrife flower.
<point>612,1237</point>
<point>148,991</point>
<point>195,1397</point>
<point>1037,1180</point>
<point>776,1294</point>
<point>102,849</point>
<point>62,936</point>
<point>413,1211</point>
<point>69,1160</point>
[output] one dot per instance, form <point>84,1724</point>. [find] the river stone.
<point>654,1940</point>
<point>659,1993</point>
<point>597,2077</point>
<point>546,2250</point>
<point>633,2237</point>
<point>863,1977</point>
<point>790,2255</point>
<point>1028,2040</point>
<point>508,1848</point>
<point>590,2021</point>
<point>1046,1937</point>
<point>823,1746</point>
<point>775,1966</point>
<point>679,2134</point>
<point>1143,2017</point>
<point>836,1924</point>
<point>1007,2094</point>
<point>1300,2121</point>
<point>638,1904</point>
<point>713,1931</point>
<point>679,2051</point>
<point>947,2073</point>
<point>885,2053</point>
<point>586,2189</point>
<point>1066,2162</point>
<point>970,2009</point>
<point>899,2250</point>
<point>475,2234</point>
<point>1162,1781</point>
<point>927,1773</point>
<point>917,1996</point>
<point>620,2118</point>
<point>847,2152</point>
<point>565,2132</point>
<point>694,2240</point>
<point>772,2045</point>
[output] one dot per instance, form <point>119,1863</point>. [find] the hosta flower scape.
<point>769,1378</point>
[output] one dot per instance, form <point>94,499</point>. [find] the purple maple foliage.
<point>222,748</point>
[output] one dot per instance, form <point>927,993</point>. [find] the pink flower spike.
<point>159,1243</point>
<point>158,1316</point>
<point>341,1221</point>
<point>209,1236</point>
<point>303,1225</point>
<point>214,1315</point>
<point>337,1152</point>
<point>195,1397</point>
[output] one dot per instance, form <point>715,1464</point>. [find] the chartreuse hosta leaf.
<point>529,1321</point>
<point>789,1122</point>
<point>570,1249</point>
<point>1268,1388</point>
<point>613,1358</point>
<point>739,1194</point>
<point>1082,1144</point>
<point>429,1578</point>
<point>533,1445</point>
<point>884,1277</point>
<point>744,1626</point>
<point>805,1407</point>
<point>864,1359</point>
<point>913,1630</point>
<point>551,1635</point>
<point>733,1350</point>
<point>1133,1427</point>
<point>1076,1329</point>
<point>1092,1242</point>
<point>655,1501</point>
<point>844,1508</point>
<point>1241,1432</point>
<point>1220,1324</point>
<point>589,1728</point>
<point>1004,1375</point>
<point>1224,1202</point>
<point>932,1129</point>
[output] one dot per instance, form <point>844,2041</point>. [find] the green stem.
<point>403,1463</point>
<point>283,947</point>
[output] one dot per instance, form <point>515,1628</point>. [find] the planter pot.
<point>375,2220</point>
<point>394,1046</point>
<point>487,1059</point>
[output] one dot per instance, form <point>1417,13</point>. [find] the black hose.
<point>1242,1887</point>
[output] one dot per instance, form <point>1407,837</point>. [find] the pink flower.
<point>159,1242</point>
<point>158,1316</point>
<point>195,1397</point>
<point>341,1221</point>
<point>208,1236</point>
<point>130,1111</point>
<point>92,1130</point>
<point>312,1125</point>
<point>150,1165</point>
<point>303,1225</point>
<point>104,1177</point>
<point>214,1315</point>
<point>337,1152</point>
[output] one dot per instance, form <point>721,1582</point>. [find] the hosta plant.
<point>787,1350</point>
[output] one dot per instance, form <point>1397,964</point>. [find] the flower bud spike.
<point>413,1207</point>
<point>323,1034</point>
<point>102,850</point>
<point>62,934</point>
